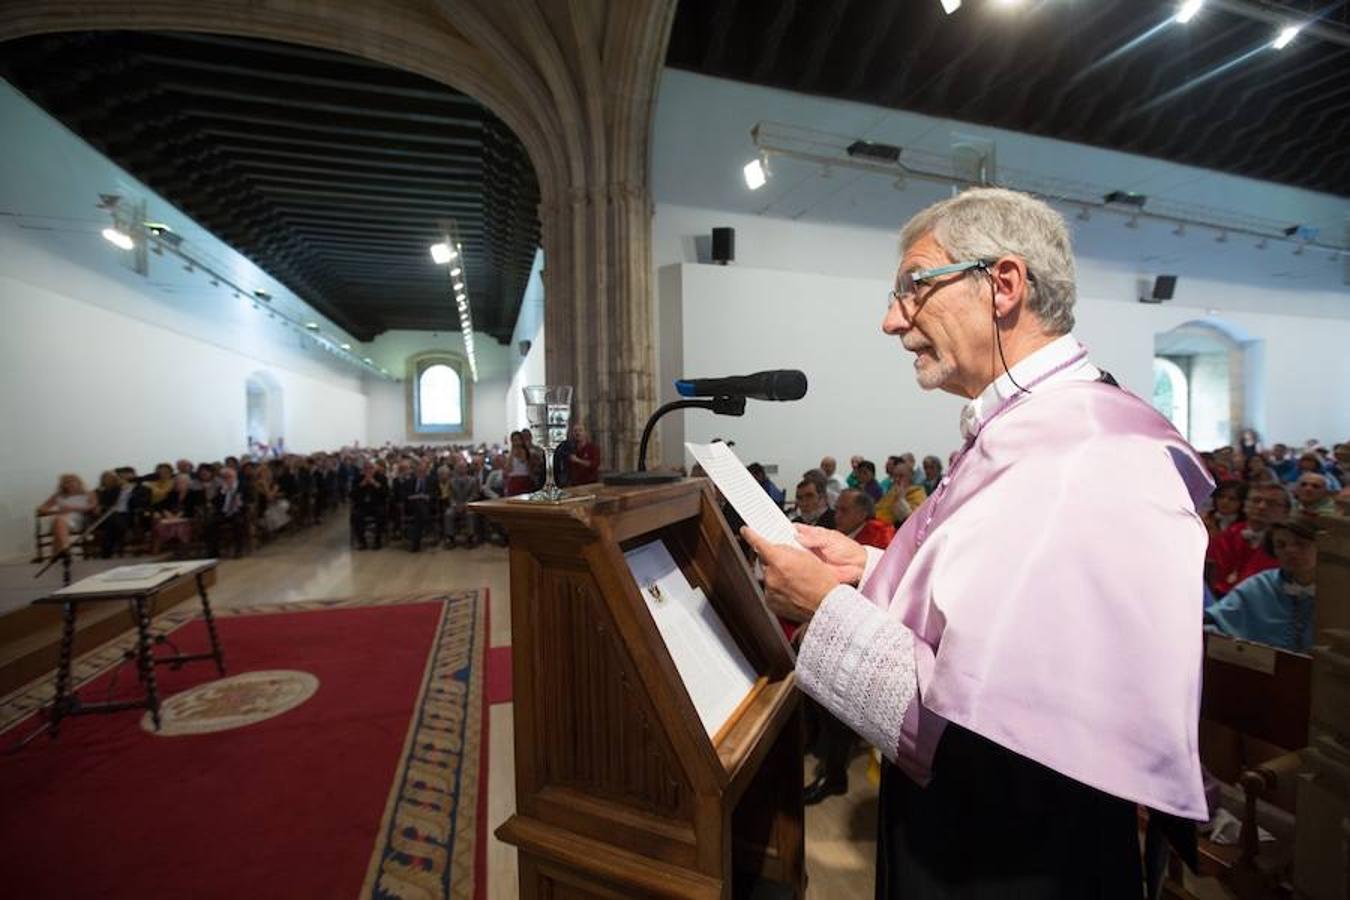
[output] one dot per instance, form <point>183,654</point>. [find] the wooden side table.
<point>140,585</point>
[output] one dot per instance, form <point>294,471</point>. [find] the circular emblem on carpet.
<point>233,702</point>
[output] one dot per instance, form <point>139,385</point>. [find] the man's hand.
<point>845,557</point>
<point>795,582</point>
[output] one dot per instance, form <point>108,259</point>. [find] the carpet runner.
<point>343,755</point>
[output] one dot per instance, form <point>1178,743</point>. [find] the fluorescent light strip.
<point>1287,34</point>
<point>1188,11</point>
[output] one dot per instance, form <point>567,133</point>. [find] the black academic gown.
<point>993,825</point>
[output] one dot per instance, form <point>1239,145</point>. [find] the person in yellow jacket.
<point>903,496</point>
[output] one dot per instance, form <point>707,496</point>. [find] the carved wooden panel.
<point>594,727</point>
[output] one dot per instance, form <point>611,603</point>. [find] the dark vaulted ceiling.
<point>1111,73</point>
<point>331,173</point>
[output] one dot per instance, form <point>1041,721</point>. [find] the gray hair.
<point>987,223</point>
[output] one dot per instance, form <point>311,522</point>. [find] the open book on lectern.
<point>714,670</point>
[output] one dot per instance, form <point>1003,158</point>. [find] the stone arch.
<point>575,82</point>
<point>265,410</point>
<point>1225,373</point>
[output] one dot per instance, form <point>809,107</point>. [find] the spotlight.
<point>1126,198</point>
<point>368,361</point>
<point>1287,34</point>
<point>950,6</point>
<point>1188,10</point>
<point>345,346</point>
<point>459,285</point>
<point>312,326</point>
<point>442,253</point>
<point>755,174</point>
<point>118,238</point>
<point>1301,232</point>
<point>262,295</point>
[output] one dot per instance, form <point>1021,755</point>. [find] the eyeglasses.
<point>907,284</point>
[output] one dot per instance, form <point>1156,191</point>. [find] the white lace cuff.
<point>858,662</point>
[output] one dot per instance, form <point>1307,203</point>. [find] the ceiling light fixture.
<point>345,346</point>
<point>1126,198</point>
<point>118,238</point>
<point>950,6</point>
<point>459,286</point>
<point>1287,34</point>
<point>442,253</point>
<point>1187,11</point>
<point>312,326</point>
<point>456,272</point>
<point>756,174</point>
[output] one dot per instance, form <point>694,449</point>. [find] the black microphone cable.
<point>998,339</point>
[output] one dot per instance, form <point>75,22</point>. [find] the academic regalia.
<point>1268,608</point>
<point>1029,679</point>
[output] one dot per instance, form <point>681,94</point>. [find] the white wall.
<point>84,388</point>
<point>100,366</point>
<point>816,251</point>
<point>719,320</point>
<point>386,419</point>
<point>528,368</point>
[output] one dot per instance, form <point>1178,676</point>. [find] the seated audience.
<point>757,472</point>
<point>459,518</point>
<point>1238,552</point>
<point>413,494</point>
<point>832,483</point>
<point>811,506</point>
<point>67,511</point>
<point>932,473</point>
<point>160,486</point>
<point>1226,504</point>
<point>902,497</point>
<point>1275,607</point>
<point>174,515</point>
<point>1314,496</point>
<point>853,463</point>
<point>228,515</point>
<point>519,473</point>
<point>1312,462</point>
<point>583,458</point>
<point>867,479</point>
<point>1283,464</point>
<point>855,516</point>
<point>370,505</point>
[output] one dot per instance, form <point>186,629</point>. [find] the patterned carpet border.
<point>427,843</point>
<point>23,702</point>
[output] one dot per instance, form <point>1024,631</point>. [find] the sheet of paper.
<point>715,673</point>
<point>745,495</point>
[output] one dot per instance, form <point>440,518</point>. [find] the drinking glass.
<point>548,407</point>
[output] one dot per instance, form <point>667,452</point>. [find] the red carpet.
<point>360,784</point>
<point>499,685</point>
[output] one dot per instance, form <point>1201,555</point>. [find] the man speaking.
<point>1029,677</point>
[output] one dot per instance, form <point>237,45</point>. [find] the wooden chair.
<point>1254,721</point>
<point>81,540</point>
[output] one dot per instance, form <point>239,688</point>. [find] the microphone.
<point>775,384</point>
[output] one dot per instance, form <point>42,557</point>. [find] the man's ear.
<point>1009,277</point>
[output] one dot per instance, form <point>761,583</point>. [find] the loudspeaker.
<point>723,245</point>
<point>1164,286</point>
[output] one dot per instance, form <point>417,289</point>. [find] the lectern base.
<point>639,478</point>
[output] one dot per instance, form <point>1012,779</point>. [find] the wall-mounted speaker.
<point>524,347</point>
<point>723,245</point>
<point>1164,286</point>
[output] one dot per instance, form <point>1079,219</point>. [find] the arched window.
<point>1171,394</point>
<point>438,395</point>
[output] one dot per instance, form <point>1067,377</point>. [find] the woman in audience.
<point>519,476</point>
<point>1225,507</point>
<point>273,510</point>
<point>1276,606</point>
<point>160,486</point>
<point>174,515</point>
<point>67,511</point>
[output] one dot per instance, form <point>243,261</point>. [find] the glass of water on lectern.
<point>548,407</point>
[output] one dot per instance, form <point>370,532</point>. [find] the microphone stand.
<point>722,406</point>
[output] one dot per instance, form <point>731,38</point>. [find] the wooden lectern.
<point>621,791</point>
